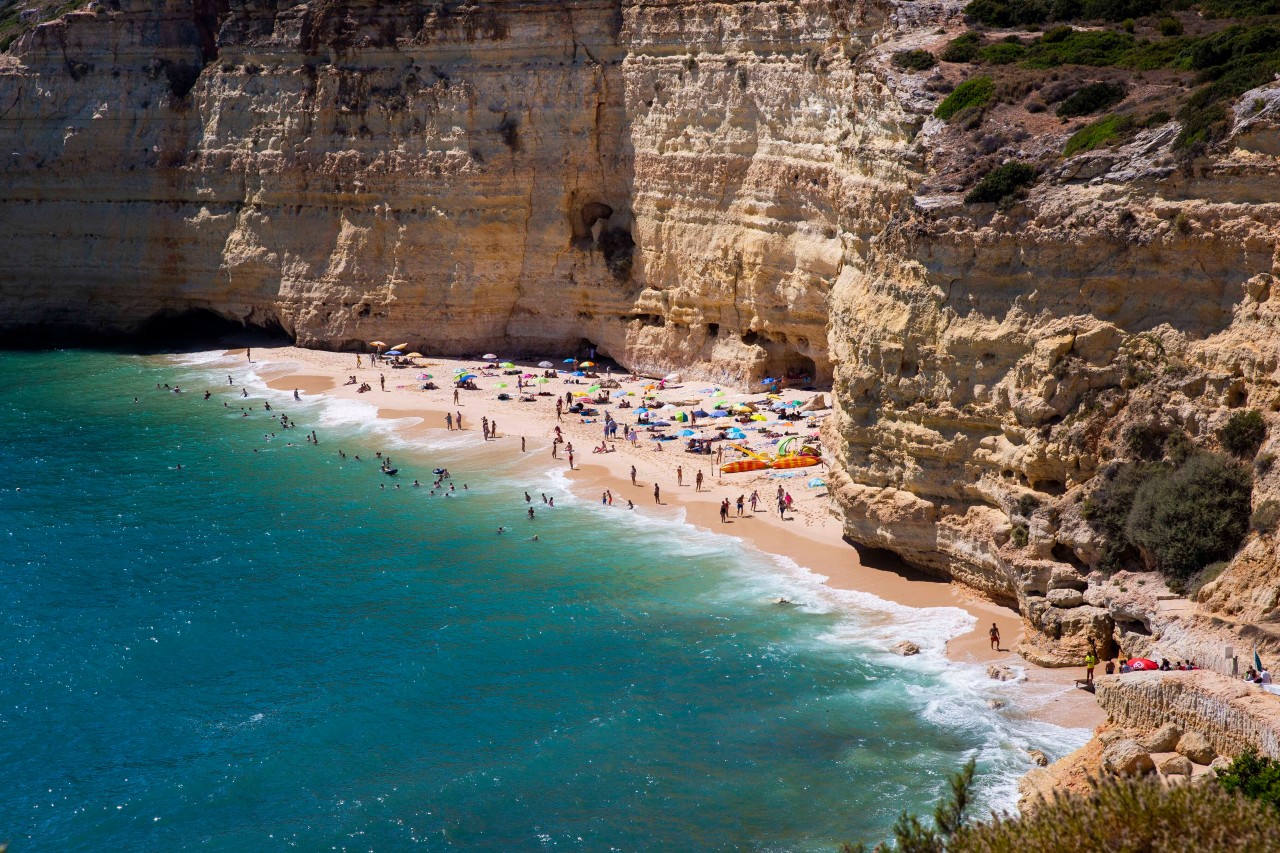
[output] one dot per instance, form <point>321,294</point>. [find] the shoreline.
<point>812,537</point>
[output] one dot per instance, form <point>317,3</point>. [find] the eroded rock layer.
<point>663,180</point>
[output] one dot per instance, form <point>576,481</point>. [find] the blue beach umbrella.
<point>393,352</point>
<point>466,376</point>
<point>699,413</point>
<point>1257,661</point>
<point>817,481</point>
<point>686,433</point>
<point>570,361</point>
<point>579,373</point>
<point>719,414</point>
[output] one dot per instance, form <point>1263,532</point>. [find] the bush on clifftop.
<point>1001,183</point>
<point>914,60</point>
<point>975,92</point>
<point>1119,814</point>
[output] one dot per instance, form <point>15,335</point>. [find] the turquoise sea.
<point>267,651</point>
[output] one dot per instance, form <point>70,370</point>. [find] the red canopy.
<point>1143,664</point>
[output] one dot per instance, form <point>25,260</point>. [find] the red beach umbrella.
<point>1140,664</point>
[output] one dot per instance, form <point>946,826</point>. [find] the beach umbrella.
<point>1257,661</point>
<point>719,414</point>
<point>502,385</point>
<point>542,380</point>
<point>593,389</point>
<point>588,364</point>
<point>459,370</point>
<point>526,376</point>
<point>506,364</point>
<point>699,413</point>
<point>545,364</point>
<point>489,357</point>
<point>672,377</point>
<point>466,377</point>
<point>394,352</point>
<point>759,418</point>
<point>817,482</point>
<point>415,355</point>
<point>768,382</point>
<point>570,361</point>
<point>1143,664</point>
<point>686,433</point>
<point>621,393</point>
<point>642,411</point>
<point>718,394</point>
<point>377,343</point>
<point>425,376</point>
<point>680,416</point>
<point>579,373</point>
<point>580,394</point>
<point>404,345</point>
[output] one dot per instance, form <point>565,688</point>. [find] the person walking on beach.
<point>570,460</point>
<point>755,500</point>
<point>248,354</point>
<point>724,509</point>
<point>493,430</point>
<point>698,482</point>
<point>554,450</point>
<point>448,420</point>
<point>484,427</point>
<point>457,419</point>
<point>559,408</point>
<point>995,637</point>
<point>455,396</point>
<point>633,475</point>
<point>741,500</point>
<point>522,444</point>
<point>679,475</point>
<point>656,498</point>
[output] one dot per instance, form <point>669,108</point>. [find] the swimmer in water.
<point>135,399</point>
<point>531,513</point>
<point>501,530</point>
<point>416,484</point>
<point>295,394</point>
<point>534,539</point>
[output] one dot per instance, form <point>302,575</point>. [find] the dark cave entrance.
<point>196,329</point>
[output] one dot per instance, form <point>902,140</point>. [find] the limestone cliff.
<point>737,189</point>
<point>665,180</point>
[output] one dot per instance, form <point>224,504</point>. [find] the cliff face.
<point>735,189</point>
<point>663,180</point>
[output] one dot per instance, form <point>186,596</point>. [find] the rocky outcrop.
<point>1216,715</point>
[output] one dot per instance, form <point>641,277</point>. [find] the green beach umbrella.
<point>507,364</point>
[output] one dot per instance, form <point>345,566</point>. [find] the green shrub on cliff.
<point>1134,815</point>
<point>1243,433</point>
<point>1102,132</point>
<point>962,48</point>
<point>1091,98</point>
<point>975,92</point>
<point>1001,183</point>
<point>1187,517</point>
<point>1256,777</point>
<point>914,60</point>
<point>1119,814</point>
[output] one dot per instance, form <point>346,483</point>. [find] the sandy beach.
<point>810,535</point>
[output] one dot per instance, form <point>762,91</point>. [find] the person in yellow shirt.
<point>1090,661</point>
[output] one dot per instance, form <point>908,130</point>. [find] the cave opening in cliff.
<point>797,370</point>
<point>197,329</point>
